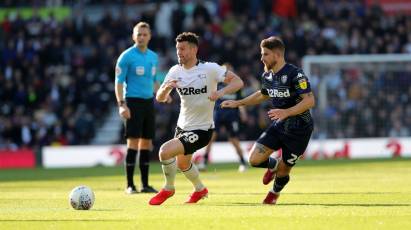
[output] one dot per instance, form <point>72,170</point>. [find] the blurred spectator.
<point>56,76</point>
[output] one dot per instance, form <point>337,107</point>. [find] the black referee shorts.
<point>142,118</point>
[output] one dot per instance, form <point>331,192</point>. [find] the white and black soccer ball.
<point>81,198</point>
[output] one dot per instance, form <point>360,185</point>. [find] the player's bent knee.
<point>254,161</point>
<point>163,154</point>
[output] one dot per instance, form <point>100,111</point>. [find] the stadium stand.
<point>56,78</point>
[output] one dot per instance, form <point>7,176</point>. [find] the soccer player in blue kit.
<point>134,87</point>
<point>290,92</point>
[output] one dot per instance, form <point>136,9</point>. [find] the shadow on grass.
<point>103,210</point>
<point>61,220</point>
<point>313,204</point>
<point>309,193</point>
<point>237,204</point>
<point>345,205</point>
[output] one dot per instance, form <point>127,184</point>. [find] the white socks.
<point>192,174</point>
<point>169,170</point>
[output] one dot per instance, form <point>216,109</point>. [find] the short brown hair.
<point>189,37</point>
<point>142,25</point>
<point>272,43</point>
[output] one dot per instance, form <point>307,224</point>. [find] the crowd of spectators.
<point>56,78</point>
<point>373,100</point>
<point>56,81</point>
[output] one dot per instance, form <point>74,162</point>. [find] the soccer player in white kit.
<point>196,83</point>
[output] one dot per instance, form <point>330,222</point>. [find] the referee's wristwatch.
<point>121,103</point>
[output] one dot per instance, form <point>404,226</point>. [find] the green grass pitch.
<point>339,194</point>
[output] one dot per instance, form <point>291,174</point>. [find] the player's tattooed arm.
<point>308,99</point>
<point>233,82</point>
<point>307,102</point>
<point>253,99</point>
<point>309,94</point>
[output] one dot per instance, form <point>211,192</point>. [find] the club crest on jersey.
<point>202,76</point>
<point>140,70</point>
<point>284,79</point>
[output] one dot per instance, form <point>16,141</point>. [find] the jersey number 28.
<point>192,137</point>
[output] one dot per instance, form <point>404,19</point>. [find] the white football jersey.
<point>194,87</point>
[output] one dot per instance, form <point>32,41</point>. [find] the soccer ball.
<point>81,198</point>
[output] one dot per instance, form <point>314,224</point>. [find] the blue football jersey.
<point>285,88</point>
<point>137,71</point>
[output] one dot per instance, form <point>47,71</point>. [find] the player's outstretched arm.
<point>234,83</point>
<point>253,99</point>
<point>165,89</point>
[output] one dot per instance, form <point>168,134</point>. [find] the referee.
<point>134,87</point>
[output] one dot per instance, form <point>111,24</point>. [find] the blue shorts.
<point>230,120</point>
<point>292,141</point>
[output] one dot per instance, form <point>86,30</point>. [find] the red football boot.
<point>271,198</point>
<point>268,176</point>
<point>196,196</point>
<point>161,196</point>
